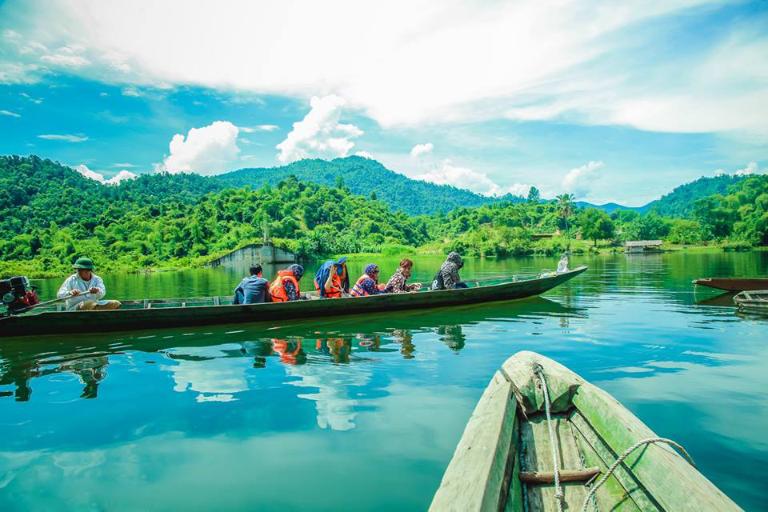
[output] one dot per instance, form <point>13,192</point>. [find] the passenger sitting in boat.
<point>285,287</point>
<point>562,265</point>
<point>84,289</point>
<point>447,277</point>
<point>252,289</point>
<point>368,283</point>
<point>332,280</point>
<point>397,283</point>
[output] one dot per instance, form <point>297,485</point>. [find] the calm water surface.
<point>364,413</point>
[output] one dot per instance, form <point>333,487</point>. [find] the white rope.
<point>552,441</point>
<point>623,456</point>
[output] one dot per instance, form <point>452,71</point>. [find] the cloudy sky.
<point>611,101</point>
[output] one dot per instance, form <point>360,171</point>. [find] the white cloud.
<point>131,91</point>
<point>259,128</point>
<point>422,149</point>
<point>419,62</point>
<point>364,154</point>
<point>207,150</point>
<point>97,176</point>
<point>123,164</point>
<point>9,113</point>
<point>66,137</point>
<point>518,189</point>
<point>123,175</point>
<point>461,177</point>
<point>319,134</point>
<point>66,57</point>
<point>578,181</point>
<point>36,101</point>
<point>751,168</point>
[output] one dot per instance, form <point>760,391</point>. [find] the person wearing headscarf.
<point>447,277</point>
<point>368,283</point>
<point>285,287</point>
<point>332,279</point>
<point>398,282</point>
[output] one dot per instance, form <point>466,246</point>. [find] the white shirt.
<point>75,282</point>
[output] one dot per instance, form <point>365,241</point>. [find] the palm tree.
<point>565,208</point>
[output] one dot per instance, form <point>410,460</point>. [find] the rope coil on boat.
<point>539,371</point>
<point>623,456</point>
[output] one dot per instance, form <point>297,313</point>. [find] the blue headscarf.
<point>370,269</point>
<point>297,270</point>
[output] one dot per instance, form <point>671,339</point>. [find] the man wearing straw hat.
<point>84,289</point>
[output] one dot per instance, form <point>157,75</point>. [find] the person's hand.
<point>417,286</point>
<point>74,293</point>
<point>94,290</point>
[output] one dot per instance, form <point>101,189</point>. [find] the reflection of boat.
<point>734,284</point>
<point>722,300</point>
<point>752,301</point>
<point>21,357</point>
<point>512,453</point>
<point>157,314</point>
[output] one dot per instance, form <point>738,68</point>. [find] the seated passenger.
<point>562,265</point>
<point>252,289</point>
<point>332,284</point>
<point>285,287</point>
<point>84,289</point>
<point>398,282</point>
<point>447,277</point>
<point>368,284</point>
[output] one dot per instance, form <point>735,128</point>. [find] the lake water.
<point>363,413</point>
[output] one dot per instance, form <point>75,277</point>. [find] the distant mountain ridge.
<point>365,176</point>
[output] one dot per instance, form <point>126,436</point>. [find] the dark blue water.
<point>364,413</point>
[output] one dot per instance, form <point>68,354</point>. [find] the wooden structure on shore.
<point>264,254</point>
<point>642,246</point>
<point>543,439</point>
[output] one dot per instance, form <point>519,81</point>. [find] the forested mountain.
<point>364,176</point>
<point>680,202</point>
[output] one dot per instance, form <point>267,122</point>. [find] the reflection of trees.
<point>453,336</point>
<point>89,370</point>
<point>405,338</point>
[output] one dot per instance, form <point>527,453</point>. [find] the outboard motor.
<point>17,294</point>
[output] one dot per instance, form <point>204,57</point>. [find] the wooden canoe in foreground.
<point>734,284</point>
<point>752,301</point>
<point>504,460</point>
<point>151,314</point>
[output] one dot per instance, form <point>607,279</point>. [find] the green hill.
<point>680,202</point>
<point>364,176</point>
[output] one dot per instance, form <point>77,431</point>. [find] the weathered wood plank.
<point>567,475</point>
<point>475,478</point>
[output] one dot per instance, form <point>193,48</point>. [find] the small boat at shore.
<point>542,438</point>
<point>752,301</point>
<point>734,284</point>
<point>143,314</point>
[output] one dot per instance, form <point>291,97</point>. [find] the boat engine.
<point>17,294</point>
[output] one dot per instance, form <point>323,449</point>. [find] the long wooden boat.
<point>537,419</point>
<point>734,284</point>
<point>190,312</point>
<point>752,301</point>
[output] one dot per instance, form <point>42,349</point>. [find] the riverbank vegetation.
<point>50,214</point>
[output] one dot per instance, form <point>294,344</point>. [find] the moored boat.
<point>216,310</point>
<point>734,284</point>
<point>542,438</point>
<point>752,301</point>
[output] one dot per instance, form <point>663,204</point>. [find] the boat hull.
<point>507,440</point>
<point>131,319</point>
<point>752,301</point>
<point>733,284</point>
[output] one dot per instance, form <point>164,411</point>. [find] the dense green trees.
<point>50,214</point>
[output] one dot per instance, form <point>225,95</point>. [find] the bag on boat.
<point>17,294</point>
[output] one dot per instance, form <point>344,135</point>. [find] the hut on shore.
<point>642,246</point>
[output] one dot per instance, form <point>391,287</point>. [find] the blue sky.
<point>610,101</point>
